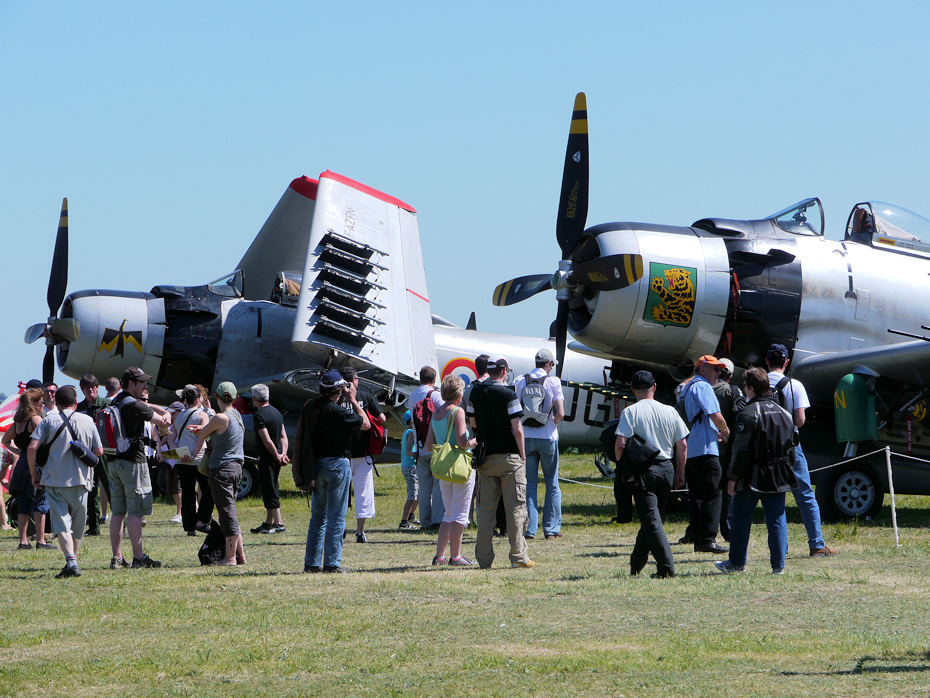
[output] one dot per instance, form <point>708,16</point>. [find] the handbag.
<point>450,462</point>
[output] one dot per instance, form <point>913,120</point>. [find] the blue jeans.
<point>544,452</point>
<point>328,512</point>
<point>773,504</point>
<point>807,503</point>
<point>431,507</point>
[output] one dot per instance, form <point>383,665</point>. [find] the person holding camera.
<point>65,477</point>
<point>324,440</point>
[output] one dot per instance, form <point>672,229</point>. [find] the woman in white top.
<point>455,498</point>
<point>194,516</point>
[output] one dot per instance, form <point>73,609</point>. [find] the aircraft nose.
<point>117,330</point>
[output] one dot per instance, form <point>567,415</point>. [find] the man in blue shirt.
<point>703,471</point>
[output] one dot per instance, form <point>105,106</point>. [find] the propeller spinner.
<point>56,330</point>
<point>573,278</point>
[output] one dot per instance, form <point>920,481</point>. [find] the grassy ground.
<point>855,624</point>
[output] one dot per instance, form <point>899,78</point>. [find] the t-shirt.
<point>135,414</point>
<point>493,407</point>
<point>795,393</point>
<point>63,468</point>
<point>367,402</point>
<point>268,418</point>
<point>658,424</point>
<point>700,402</point>
<point>335,427</point>
<point>409,440</point>
<point>553,386</point>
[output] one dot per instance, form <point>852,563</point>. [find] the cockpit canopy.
<point>887,226</point>
<point>803,218</point>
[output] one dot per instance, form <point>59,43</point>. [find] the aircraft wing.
<point>906,362</point>
<point>282,242</point>
<point>363,292</point>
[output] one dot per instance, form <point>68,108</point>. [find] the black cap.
<point>642,380</point>
<point>136,374</point>
<point>778,352</point>
<point>497,363</point>
<point>34,383</point>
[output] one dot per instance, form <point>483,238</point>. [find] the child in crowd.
<point>408,466</point>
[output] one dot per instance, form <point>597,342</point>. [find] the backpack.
<point>609,439</point>
<point>778,394</point>
<point>377,438</point>
<point>532,399</point>
<point>214,546</point>
<point>682,412</point>
<point>423,417</point>
<point>110,426</point>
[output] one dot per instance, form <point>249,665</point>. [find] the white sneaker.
<point>104,519</point>
<point>176,518</point>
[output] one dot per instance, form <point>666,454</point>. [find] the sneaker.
<point>778,570</point>
<point>334,570</point>
<point>312,569</point>
<point>104,519</point>
<point>144,522</point>
<point>264,527</point>
<point>176,519</point>
<point>277,528</point>
<point>405,525</point>
<point>25,546</point>
<point>68,571</point>
<point>524,565</point>
<point>815,552</point>
<point>727,567</point>
<point>529,536</point>
<point>461,561</point>
<point>92,532</point>
<point>439,561</point>
<point>360,538</point>
<point>44,546</point>
<point>118,563</point>
<point>145,561</point>
<point>412,519</point>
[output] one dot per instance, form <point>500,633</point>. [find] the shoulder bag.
<point>451,462</point>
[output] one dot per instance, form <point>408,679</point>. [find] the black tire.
<point>854,493</point>
<point>248,485</point>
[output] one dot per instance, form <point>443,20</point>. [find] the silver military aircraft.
<point>659,296</point>
<point>335,277</point>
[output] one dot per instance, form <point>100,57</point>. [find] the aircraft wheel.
<point>248,485</point>
<point>854,493</point>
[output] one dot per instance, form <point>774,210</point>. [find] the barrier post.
<point>894,511</point>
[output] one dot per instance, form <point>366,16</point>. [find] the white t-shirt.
<point>654,422</point>
<point>794,391</point>
<point>553,386</point>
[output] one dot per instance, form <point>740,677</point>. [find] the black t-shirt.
<point>268,418</point>
<point>135,414</point>
<point>493,405</point>
<point>367,402</point>
<point>335,428</point>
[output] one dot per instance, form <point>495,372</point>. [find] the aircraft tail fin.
<point>282,242</point>
<point>363,291</point>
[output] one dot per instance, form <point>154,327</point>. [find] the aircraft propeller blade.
<point>608,273</point>
<point>561,334</point>
<point>58,278</point>
<point>48,364</point>
<point>34,333</point>
<point>520,289</point>
<point>573,204</point>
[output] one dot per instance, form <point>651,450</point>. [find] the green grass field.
<point>854,624</point>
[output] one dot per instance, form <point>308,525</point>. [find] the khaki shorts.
<point>130,488</point>
<point>67,507</point>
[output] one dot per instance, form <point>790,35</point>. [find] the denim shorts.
<point>32,501</point>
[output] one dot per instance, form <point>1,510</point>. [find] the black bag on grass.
<point>214,546</point>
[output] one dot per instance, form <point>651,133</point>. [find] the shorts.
<point>68,510</point>
<point>410,475</point>
<point>130,488</point>
<point>224,485</point>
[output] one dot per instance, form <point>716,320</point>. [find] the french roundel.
<point>461,367</point>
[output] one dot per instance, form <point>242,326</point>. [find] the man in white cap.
<point>542,401</point>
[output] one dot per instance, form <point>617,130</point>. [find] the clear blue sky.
<point>173,129</point>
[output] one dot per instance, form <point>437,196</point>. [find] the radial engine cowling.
<point>674,313</point>
<point>118,329</point>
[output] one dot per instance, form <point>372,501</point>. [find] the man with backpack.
<point>542,401</point>
<point>130,483</point>
<point>360,458</point>
<point>790,394</point>
<point>92,403</point>
<point>431,507</point>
